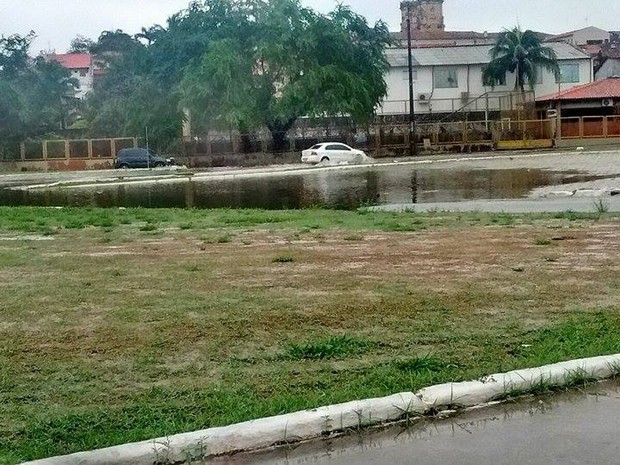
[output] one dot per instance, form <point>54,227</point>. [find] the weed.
<point>601,206</point>
<point>224,238</point>
<point>542,242</point>
<point>331,347</point>
<point>283,259</point>
<point>149,227</point>
<point>354,237</point>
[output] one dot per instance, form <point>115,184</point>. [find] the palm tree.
<point>522,53</point>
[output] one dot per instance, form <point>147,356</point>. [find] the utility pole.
<point>413,149</point>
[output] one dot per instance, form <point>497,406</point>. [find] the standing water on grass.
<point>342,189</point>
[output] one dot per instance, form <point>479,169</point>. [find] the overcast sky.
<point>56,22</point>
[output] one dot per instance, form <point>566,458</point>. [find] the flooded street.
<point>427,183</point>
<point>573,428</point>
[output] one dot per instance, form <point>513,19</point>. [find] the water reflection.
<point>340,189</point>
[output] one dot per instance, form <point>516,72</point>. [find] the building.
<point>587,36</point>
<point>448,79</point>
<point>590,39</point>
<point>598,98</point>
<point>585,115</point>
<point>428,28</point>
<point>609,61</point>
<point>81,67</point>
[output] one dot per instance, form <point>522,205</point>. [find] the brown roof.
<point>603,89</point>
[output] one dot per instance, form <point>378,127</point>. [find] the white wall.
<point>469,79</point>
<point>85,82</point>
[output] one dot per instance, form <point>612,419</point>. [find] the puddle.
<point>579,427</point>
<point>341,189</point>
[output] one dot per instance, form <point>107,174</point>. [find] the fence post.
<point>135,142</point>
<point>605,122</point>
<point>90,148</point>
<point>113,148</point>
<point>67,150</point>
<point>44,149</point>
<point>581,127</point>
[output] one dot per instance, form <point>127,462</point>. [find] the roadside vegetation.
<point>127,324</point>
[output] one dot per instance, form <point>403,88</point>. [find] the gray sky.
<point>56,22</point>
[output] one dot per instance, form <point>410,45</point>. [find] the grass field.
<point>122,325</point>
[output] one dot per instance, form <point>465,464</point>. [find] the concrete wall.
<point>56,165</point>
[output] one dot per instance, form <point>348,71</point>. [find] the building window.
<point>83,73</point>
<point>569,72</point>
<point>539,74</point>
<point>446,78</point>
<point>406,74</point>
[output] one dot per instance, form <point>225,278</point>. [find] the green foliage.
<point>36,96</point>
<point>522,53</point>
<point>278,61</point>
<point>81,44</point>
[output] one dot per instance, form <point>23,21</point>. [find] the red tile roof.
<point>605,88</point>
<point>73,60</point>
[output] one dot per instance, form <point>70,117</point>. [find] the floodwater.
<point>575,428</point>
<point>303,188</point>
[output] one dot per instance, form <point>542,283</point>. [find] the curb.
<point>323,421</point>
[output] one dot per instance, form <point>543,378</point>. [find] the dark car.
<point>139,158</point>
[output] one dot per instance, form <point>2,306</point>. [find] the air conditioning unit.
<point>608,102</point>
<point>423,98</point>
<point>552,114</point>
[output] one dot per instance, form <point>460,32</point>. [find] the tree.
<point>47,96</point>
<point>14,54</point>
<point>81,44</point>
<point>279,61</point>
<point>522,53</point>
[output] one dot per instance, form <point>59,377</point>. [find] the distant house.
<point>587,113</point>
<point>598,98</point>
<point>587,36</point>
<point>450,78</point>
<point>609,61</point>
<point>81,67</point>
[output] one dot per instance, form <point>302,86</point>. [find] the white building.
<point>447,79</point>
<point>81,67</point>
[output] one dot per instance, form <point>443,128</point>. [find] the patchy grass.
<point>110,334</point>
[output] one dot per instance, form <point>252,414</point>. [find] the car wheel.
<point>159,165</point>
<point>123,166</point>
<point>325,160</point>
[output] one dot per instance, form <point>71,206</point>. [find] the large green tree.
<point>278,61</point>
<point>36,95</point>
<point>522,53</point>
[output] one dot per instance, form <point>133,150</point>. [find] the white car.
<point>333,152</point>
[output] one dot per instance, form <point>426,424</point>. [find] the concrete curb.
<point>315,423</point>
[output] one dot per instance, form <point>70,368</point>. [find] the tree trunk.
<point>278,131</point>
